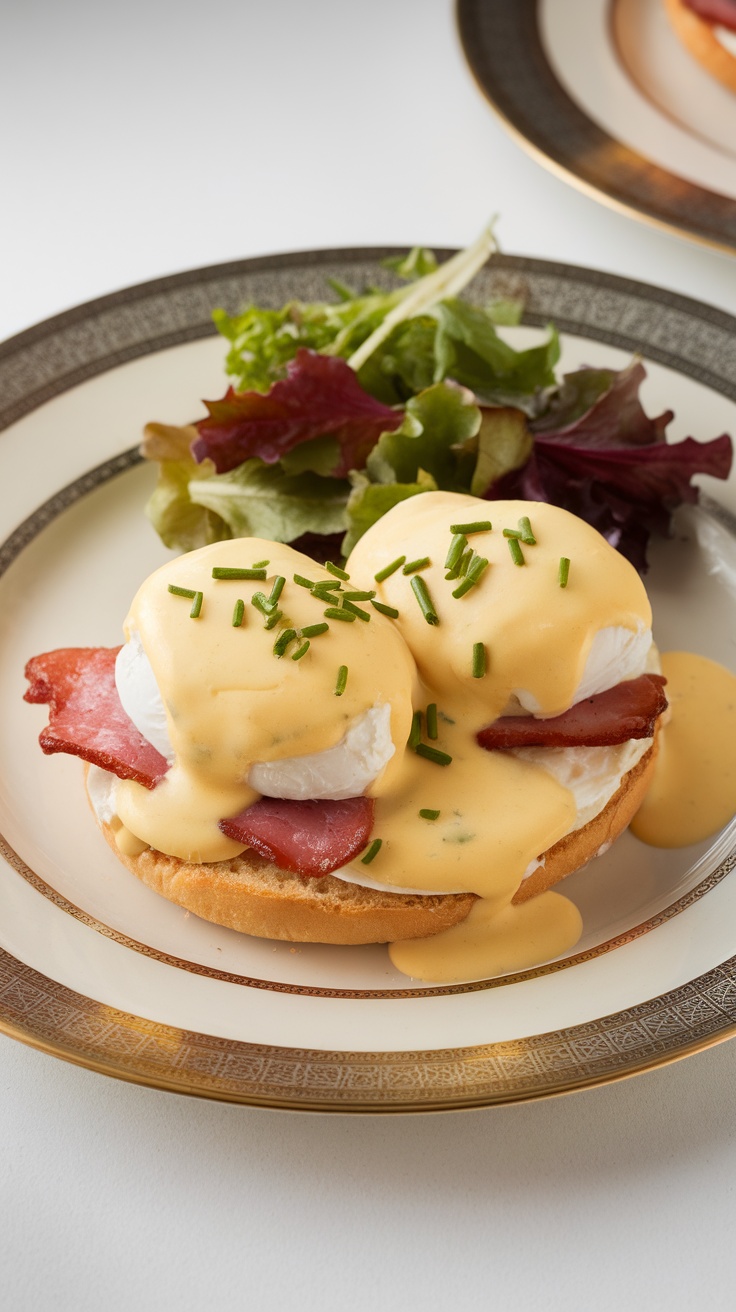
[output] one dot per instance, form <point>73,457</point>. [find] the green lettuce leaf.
<point>257,500</point>
<point>436,423</point>
<point>321,455</point>
<point>180,523</point>
<point>404,364</point>
<point>468,349</point>
<point>369,501</point>
<point>503,443</point>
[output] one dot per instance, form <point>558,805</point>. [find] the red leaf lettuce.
<point>319,397</point>
<point>597,454</point>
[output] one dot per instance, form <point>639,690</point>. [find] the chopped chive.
<point>182,592</point>
<point>381,606</point>
<point>273,620</point>
<point>283,640</point>
<point>527,536</point>
<point>323,592</point>
<point>277,589</point>
<point>415,733</point>
<point>313,630</point>
<point>373,850</point>
<point>358,596</point>
<point>429,815</point>
<point>262,603</point>
<point>460,567</point>
<point>342,678</point>
<point>301,651</point>
<point>196,606</point>
<point>477,526</point>
<point>355,610</point>
<point>335,613</point>
<point>327,585</point>
<point>412,566</point>
<point>512,532</point>
<point>389,569</point>
<point>223,572</point>
<point>463,564</point>
<point>457,547</point>
<point>477,568</point>
<point>479,660</point>
<point>517,555</point>
<point>432,754</point>
<point>432,720</point>
<point>260,564</point>
<point>238,613</point>
<point>564,571</point>
<point>421,592</point>
<point>464,587</point>
<point>335,569</point>
<point>304,583</point>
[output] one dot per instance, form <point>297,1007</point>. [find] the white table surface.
<point>146,138</point>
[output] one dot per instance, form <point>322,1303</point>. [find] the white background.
<point>138,140</point>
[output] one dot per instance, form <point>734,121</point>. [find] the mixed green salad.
<point>337,410</point>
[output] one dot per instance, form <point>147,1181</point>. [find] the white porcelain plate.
<point>604,93</point>
<point>96,968</point>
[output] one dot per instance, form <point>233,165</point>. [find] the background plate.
<point>604,95</point>
<point>97,969</point>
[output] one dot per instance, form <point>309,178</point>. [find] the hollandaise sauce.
<point>693,793</point>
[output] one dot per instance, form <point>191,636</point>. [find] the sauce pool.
<point>693,793</point>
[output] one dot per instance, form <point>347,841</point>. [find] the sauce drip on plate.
<point>693,793</point>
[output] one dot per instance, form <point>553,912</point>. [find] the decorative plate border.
<point>66,1024</point>
<point>502,46</point>
<point>56,355</point>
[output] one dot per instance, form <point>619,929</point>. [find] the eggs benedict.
<point>410,750</point>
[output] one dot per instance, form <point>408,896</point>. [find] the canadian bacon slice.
<point>310,838</point>
<point>630,710</point>
<point>86,717</point>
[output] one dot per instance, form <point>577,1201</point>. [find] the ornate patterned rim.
<point>55,356</point>
<point>59,1021</point>
<point>502,45</point>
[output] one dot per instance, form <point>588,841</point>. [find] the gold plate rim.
<point>290,1079</point>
